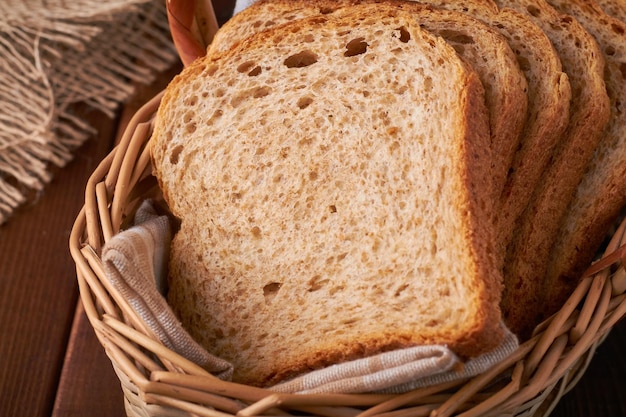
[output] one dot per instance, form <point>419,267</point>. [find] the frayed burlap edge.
<point>53,56</point>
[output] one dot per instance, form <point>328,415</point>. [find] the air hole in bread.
<point>319,20</point>
<point>191,100</point>
<point>270,290</point>
<point>523,63</point>
<point>301,59</point>
<point>428,83</point>
<point>617,29</point>
<point>336,289</point>
<point>305,141</point>
<point>188,117</point>
<point>256,232</point>
<point>190,128</point>
<point>332,208</point>
<point>261,92</point>
<point>237,100</point>
<point>349,322</point>
<point>246,66</point>
<point>356,46</point>
<point>317,283</point>
<point>304,102</point>
<point>216,115</point>
<point>212,69</point>
<point>609,50</point>
<point>326,10</point>
<point>457,37</point>
<point>405,36</point>
<point>255,71</point>
<point>534,11</point>
<point>309,38</point>
<point>175,154</point>
<point>400,289</point>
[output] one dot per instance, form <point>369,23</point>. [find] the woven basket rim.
<point>157,381</point>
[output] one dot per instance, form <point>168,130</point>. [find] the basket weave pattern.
<point>158,382</point>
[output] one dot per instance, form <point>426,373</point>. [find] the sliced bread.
<point>539,226</point>
<point>329,175</point>
<point>549,97</point>
<point>506,88</point>
<point>602,193</point>
<point>480,45</point>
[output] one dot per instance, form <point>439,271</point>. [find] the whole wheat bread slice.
<point>330,177</point>
<point>549,97</point>
<point>539,226</point>
<point>480,45</point>
<point>602,193</point>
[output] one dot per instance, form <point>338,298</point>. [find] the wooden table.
<point>50,361</point>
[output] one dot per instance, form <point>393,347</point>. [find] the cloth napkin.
<point>135,262</point>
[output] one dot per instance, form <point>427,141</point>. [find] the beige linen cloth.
<point>135,262</point>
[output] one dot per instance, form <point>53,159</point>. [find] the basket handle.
<point>192,25</point>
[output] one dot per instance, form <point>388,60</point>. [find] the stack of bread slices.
<point>354,177</point>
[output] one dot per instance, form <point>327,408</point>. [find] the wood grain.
<point>38,289</point>
<point>88,381</point>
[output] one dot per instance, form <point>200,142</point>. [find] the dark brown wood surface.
<point>51,363</point>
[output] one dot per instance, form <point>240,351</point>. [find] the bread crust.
<point>537,229</point>
<point>214,214</point>
<point>601,195</point>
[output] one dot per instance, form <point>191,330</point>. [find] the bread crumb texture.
<point>328,176</point>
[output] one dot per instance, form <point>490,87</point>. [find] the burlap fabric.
<point>135,262</point>
<point>56,55</point>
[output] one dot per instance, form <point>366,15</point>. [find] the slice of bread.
<point>549,95</point>
<point>602,193</point>
<point>506,88</point>
<point>480,45</point>
<point>330,178</point>
<point>539,226</point>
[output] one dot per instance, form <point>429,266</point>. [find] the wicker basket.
<point>158,382</point>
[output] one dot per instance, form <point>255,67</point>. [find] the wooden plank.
<point>88,381</point>
<point>38,289</point>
